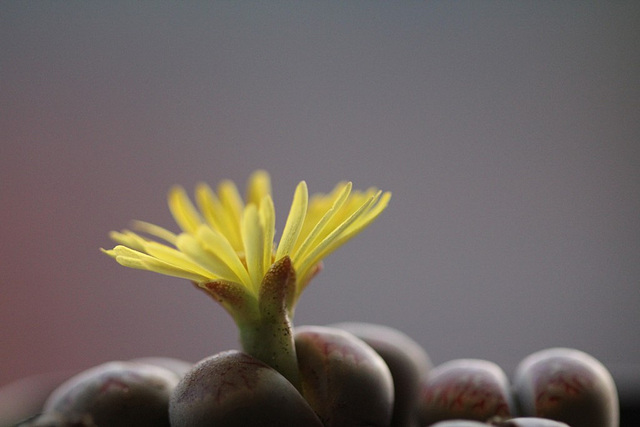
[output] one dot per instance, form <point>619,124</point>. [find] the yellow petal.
<point>218,244</point>
<point>109,252</point>
<point>232,207</point>
<point>294,220</point>
<point>268,223</point>
<point>156,231</point>
<point>174,257</point>
<point>259,187</point>
<point>183,210</point>
<point>206,258</point>
<point>320,204</point>
<point>320,226</point>
<point>134,259</point>
<point>334,239</point>
<point>210,207</point>
<point>253,240</point>
<point>367,218</point>
<point>128,238</point>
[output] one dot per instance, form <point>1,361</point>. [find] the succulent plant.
<point>344,380</point>
<point>459,423</point>
<point>348,374</point>
<point>528,422</point>
<point>234,389</point>
<point>567,385</point>
<point>226,248</point>
<point>469,389</point>
<point>115,394</point>
<point>53,419</point>
<point>177,366</point>
<point>502,422</point>
<point>408,363</point>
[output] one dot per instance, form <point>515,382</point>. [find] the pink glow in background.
<point>508,133</point>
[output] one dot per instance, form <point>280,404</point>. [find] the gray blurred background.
<point>508,133</point>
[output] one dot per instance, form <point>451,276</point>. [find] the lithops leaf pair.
<point>513,422</point>
<point>549,388</point>
<point>234,389</point>
<point>115,394</point>
<point>469,389</point>
<point>408,363</point>
<point>344,383</point>
<point>567,385</point>
<point>529,422</point>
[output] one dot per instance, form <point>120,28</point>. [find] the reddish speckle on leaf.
<point>113,384</point>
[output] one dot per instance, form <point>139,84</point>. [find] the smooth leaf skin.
<point>177,366</point>
<point>118,394</point>
<point>567,385</point>
<point>513,422</point>
<point>459,423</point>
<point>52,419</point>
<point>529,422</point>
<point>469,389</point>
<point>233,389</point>
<point>408,362</point>
<point>344,380</point>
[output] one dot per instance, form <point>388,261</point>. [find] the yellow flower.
<point>226,240</point>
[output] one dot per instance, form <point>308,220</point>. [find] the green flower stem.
<point>263,320</point>
<point>267,334</point>
<point>271,341</point>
